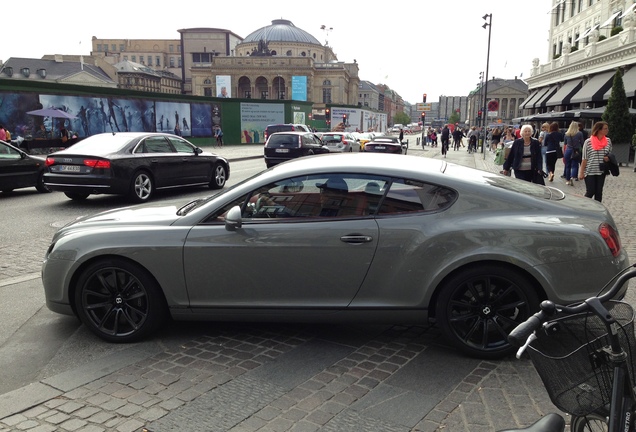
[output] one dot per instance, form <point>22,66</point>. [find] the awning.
<point>525,103</point>
<point>565,93</point>
<point>594,90</point>
<point>629,81</point>
<point>540,103</point>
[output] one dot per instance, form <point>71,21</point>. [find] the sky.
<point>415,47</point>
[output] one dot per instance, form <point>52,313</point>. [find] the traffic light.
<point>344,119</point>
<point>328,114</point>
<point>423,118</point>
<point>424,98</point>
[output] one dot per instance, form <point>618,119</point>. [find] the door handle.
<point>356,239</point>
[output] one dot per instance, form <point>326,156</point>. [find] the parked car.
<point>340,142</point>
<point>386,144</point>
<point>283,146</point>
<point>133,164</point>
<point>339,238</point>
<point>20,170</point>
<point>285,127</point>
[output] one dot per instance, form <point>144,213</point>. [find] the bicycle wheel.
<point>589,423</point>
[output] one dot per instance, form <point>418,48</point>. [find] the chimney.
<point>59,58</point>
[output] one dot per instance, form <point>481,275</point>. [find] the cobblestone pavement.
<point>243,378</point>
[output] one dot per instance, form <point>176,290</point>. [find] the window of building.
<point>274,52</point>
<point>207,91</point>
<point>326,83</point>
<point>113,47</point>
<point>304,54</point>
<point>202,57</point>
<point>264,94</point>
<point>171,48</point>
<point>122,47</point>
<point>179,61</point>
<point>572,7</point>
<point>178,48</point>
<point>133,58</point>
<point>247,94</point>
<point>99,47</point>
<point>288,53</point>
<point>125,58</point>
<point>157,61</point>
<point>326,95</point>
<point>580,7</point>
<point>172,62</point>
<point>207,81</point>
<point>618,21</point>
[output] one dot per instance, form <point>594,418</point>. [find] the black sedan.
<point>20,170</point>
<point>385,144</point>
<point>132,164</point>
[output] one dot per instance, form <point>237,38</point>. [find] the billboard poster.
<point>299,88</point>
<point>223,86</point>
<point>255,117</point>
<point>172,117</point>
<point>352,122</point>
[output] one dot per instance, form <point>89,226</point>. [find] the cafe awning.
<point>629,81</point>
<point>565,93</point>
<point>541,102</point>
<point>594,90</point>
<point>532,96</point>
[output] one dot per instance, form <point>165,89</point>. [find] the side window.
<point>318,197</point>
<point>406,196</point>
<point>7,152</point>
<point>157,145</point>
<point>181,146</point>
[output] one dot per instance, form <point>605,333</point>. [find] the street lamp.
<point>488,23</point>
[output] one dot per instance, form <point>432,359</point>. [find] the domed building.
<point>278,61</point>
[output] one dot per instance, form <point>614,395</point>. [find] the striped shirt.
<point>594,157</point>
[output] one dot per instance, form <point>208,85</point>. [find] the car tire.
<point>40,186</point>
<point>479,306</point>
<point>119,301</point>
<point>219,176</point>
<point>142,187</point>
<point>76,196</point>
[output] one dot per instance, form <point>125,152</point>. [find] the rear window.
<point>283,140</point>
<point>332,137</point>
<point>279,128</point>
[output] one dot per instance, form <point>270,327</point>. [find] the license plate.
<point>283,150</point>
<point>70,168</point>
<point>380,148</point>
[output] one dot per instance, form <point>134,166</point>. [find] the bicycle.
<point>584,354</point>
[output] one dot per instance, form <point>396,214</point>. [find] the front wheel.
<point>478,307</point>
<point>219,176</point>
<point>141,188</point>
<point>589,423</point>
<point>119,301</point>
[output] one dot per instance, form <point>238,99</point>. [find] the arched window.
<point>304,54</point>
<point>326,83</point>
<point>289,53</point>
<point>274,52</point>
<point>207,81</point>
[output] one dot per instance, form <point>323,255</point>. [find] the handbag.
<point>64,138</point>
<point>559,152</point>
<point>576,155</point>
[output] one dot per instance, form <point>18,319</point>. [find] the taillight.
<point>49,161</point>
<point>97,163</point>
<point>611,237</point>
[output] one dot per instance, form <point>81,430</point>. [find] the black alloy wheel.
<point>478,307</point>
<point>219,176</point>
<point>119,301</point>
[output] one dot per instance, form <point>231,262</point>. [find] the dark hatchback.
<point>385,145</point>
<point>20,170</point>
<point>132,164</point>
<point>283,146</point>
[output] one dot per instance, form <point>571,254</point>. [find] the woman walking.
<point>552,142</point>
<point>595,151</point>
<point>572,153</point>
<point>525,157</point>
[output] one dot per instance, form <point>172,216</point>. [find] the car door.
<point>16,168</point>
<point>293,258</point>
<point>195,168</point>
<point>163,160</point>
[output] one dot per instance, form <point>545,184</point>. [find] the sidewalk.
<point>243,378</point>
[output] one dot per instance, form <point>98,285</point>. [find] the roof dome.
<point>281,30</point>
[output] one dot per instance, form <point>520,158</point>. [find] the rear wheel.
<point>589,423</point>
<point>76,196</point>
<point>119,301</point>
<point>141,188</point>
<point>478,307</point>
<point>219,176</point>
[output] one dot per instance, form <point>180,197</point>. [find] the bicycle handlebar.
<point>520,334</point>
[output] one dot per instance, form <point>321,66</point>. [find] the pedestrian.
<point>401,135</point>
<point>63,133</point>
<point>3,133</point>
<point>542,134</point>
<point>595,151</point>
<point>495,137</point>
<point>472,139</point>
<point>525,158</point>
<point>572,154</point>
<point>219,136</point>
<point>445,139</point>
<point>552,143</point>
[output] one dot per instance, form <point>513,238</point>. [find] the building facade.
<point>589,40</point>
<point>503,103</point>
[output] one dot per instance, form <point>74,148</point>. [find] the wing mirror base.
<point>233,219</point>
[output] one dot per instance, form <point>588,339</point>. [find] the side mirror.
<point>233,219</point>
<point>197,151</point>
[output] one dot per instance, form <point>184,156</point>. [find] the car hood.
<point>128,216</point>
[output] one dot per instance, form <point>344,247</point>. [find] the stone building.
<point>503,103</point>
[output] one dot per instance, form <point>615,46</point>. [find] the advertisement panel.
<point>299,88</point>
<point>223,86</point>
<point>255,117</point>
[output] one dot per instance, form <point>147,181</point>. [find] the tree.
<point>617,113</point>
<point>401,118</point>
<point>454,118</point>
